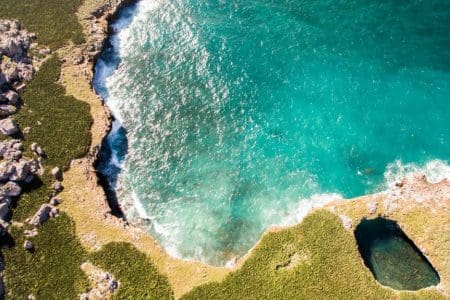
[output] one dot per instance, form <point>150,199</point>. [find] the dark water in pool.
<point>392,257</point>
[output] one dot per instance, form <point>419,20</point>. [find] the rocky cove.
<point>85,201</point>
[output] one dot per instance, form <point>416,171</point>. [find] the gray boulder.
<point>27,245</point>
<point>7,110</point>
<point>6,170</point>
<point>42,215</point>
<point>10,189</point>
<point>57,173</point>
<point>11,149</point>
<point>21,170</point>
<point>55,201</point>
<point>37,149</point>
<point>57,186</point>
<point>8,126</point>
<point>12,97</point>
<point>4,210</point>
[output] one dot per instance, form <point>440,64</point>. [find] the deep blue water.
<point>237,115</point>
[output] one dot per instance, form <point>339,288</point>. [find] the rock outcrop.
<point>15,171</point>
<point>15,69</point>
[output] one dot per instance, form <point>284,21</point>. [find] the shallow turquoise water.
<point>238,115</point>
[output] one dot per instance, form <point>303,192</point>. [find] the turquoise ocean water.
<point>233,116</point>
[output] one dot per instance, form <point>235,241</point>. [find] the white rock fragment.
<point>27,245</point>
<point>37,150</point>
<point>57,173</point>
<point>346,221</point>
<point>372,206</point>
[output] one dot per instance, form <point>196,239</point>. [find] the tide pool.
<point>232,116</point>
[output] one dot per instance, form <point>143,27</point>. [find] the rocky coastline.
<point>409,195</point>
<point>85,200</point>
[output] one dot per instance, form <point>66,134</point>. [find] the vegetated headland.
<point>60,240</point>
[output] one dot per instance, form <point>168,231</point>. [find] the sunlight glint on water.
<point>238,115</point>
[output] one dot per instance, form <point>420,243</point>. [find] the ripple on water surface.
<point>238,115</point>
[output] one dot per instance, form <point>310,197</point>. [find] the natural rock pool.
<point>392,257</point>
<point>233,116</point>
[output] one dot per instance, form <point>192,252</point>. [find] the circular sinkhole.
<point>392,257</point>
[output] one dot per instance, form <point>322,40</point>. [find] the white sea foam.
<point>435,171</point>
<point>304,206</point>
<point>137,204</point>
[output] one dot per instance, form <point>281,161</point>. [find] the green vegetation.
<point>59,123</point>
<point>34,195</point>
<point>138,276</point>
<point>316,259</point>
<point>53,21</point>
<point>52,271</point>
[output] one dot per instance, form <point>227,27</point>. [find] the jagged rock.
<point>37,150</point>
<point>55,201</point>
<point>35,166</point>
<point>5,170</point>
<point>9,150</point>
<point>27,245</point>
<point>8,126</point>
<point>57,186</point>
<point>12,97</point>
<point>7,110</point>
<point>42,215</point>
<point>54,212</point>
<point>14,42</point>
<point>21,170</point>
<point>17,145</point>
<point>10,189</point>
<point>4,211</point>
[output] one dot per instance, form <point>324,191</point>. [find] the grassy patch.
<point>34,195</point>
<point>138,276</point>
<point>317,259</point>
<point>52,271</point>
<point>53,21</point>
<point>59,123</point>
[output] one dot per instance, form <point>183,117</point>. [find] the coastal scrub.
<point>317,259</point>
<point>53,21</point>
